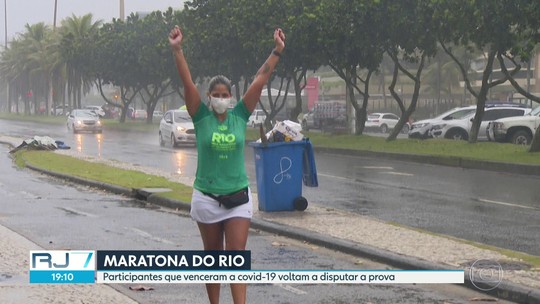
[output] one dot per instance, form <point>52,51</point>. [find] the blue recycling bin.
<point>280,168</point>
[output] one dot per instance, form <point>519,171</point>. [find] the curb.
<point>442,161</point>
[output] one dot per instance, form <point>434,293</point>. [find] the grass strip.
<point>99,172</point>
<point>445,148</point>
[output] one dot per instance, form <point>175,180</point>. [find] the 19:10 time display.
<point>62,276</point>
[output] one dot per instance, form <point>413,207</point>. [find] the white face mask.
<point>220,105</point>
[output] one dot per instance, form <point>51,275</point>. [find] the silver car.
<point>176,127</point>
<point>84,120</point>
<point>420,129</point>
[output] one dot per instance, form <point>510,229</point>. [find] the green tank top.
<point>220,150</point>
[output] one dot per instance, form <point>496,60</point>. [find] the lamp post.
<point>55,9</point>
<point>122,12</point>
<point>5,48</point>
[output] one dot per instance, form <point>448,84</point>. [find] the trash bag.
<point>285,131</point>
<point>40,143</point>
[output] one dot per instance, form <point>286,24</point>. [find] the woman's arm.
<point>191,94</point>
<point>253,93</point>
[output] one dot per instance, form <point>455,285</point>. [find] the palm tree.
<point>76,37</point>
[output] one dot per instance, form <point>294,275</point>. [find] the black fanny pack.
<point>231,200</point>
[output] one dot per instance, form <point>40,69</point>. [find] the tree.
<point>351,44</point>
<point>493,27</point>
<point>77,34</point>
<point>407,42</point>
<point>113,58</point>
<point>302,53</point>
<point>24,64</point>
<point>154,60</point>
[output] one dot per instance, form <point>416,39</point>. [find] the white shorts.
<point>205,209</point>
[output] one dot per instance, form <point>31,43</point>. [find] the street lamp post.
<point>55,9</point>
<point>5,48</point>
<point>122,12</point>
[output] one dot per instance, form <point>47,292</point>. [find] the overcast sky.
<point>21,12</point>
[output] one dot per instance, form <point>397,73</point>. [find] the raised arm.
<point>191,94</point>
<point>253,93</point>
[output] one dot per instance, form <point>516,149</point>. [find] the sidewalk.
<point>361,235</point>
<point>15,289</point>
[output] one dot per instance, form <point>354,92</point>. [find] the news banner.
<point>192,267</point>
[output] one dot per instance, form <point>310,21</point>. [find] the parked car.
<point>308,121</point>
<point>84,120</point>
<point>110,111</point>
<point>420,129</point>
<point>60,110</point>
<point>517,130</point>
<point>96,109</point>
<point>330,115</point>
<point>140,114</point>
<point>459,128</point>
<point>176,127</point>
<point>382,122</point>
<point>157,115</point>
<point>257,117</point>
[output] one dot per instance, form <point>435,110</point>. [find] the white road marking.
<point>291,289</point>
<point>75,211</point>
<point>507,204</point>
<point>398,173</point>
<point>333,176</point>
<point>381,168</point>
<point>149,236</point>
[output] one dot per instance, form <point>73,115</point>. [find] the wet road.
<point>60,215</point>
<point>494,208</point>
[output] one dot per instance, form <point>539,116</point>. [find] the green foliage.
<point>99,172</point>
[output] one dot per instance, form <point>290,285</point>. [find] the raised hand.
<point>279,39</point>
<point>175,38</point>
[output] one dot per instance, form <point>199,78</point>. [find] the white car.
<point>176,127</point>
<point>382,122</point>
<point>257,117</point>
<point>420,129</point>
<point>84,120</point>
<point>60,110</point>
<point>157,115</point>
<point>96,109</point>
<point>516,130</point>
<point>140,114</point>
<point>459,128</point>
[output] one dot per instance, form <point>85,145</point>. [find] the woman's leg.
<point>212,237</point>
<point>236,234</point>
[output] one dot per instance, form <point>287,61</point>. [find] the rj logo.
<point>47,258</point>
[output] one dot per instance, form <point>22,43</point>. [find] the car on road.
<point>140,114</point>
<point>176,127</point>
<point>60,110</point>
<point>256,118</point>
<point>460,128</point>
<point>84,120</point>
<point>383,122</point>
<point>517,130</point>
<point>96,109</point>
<point>420,129</point>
